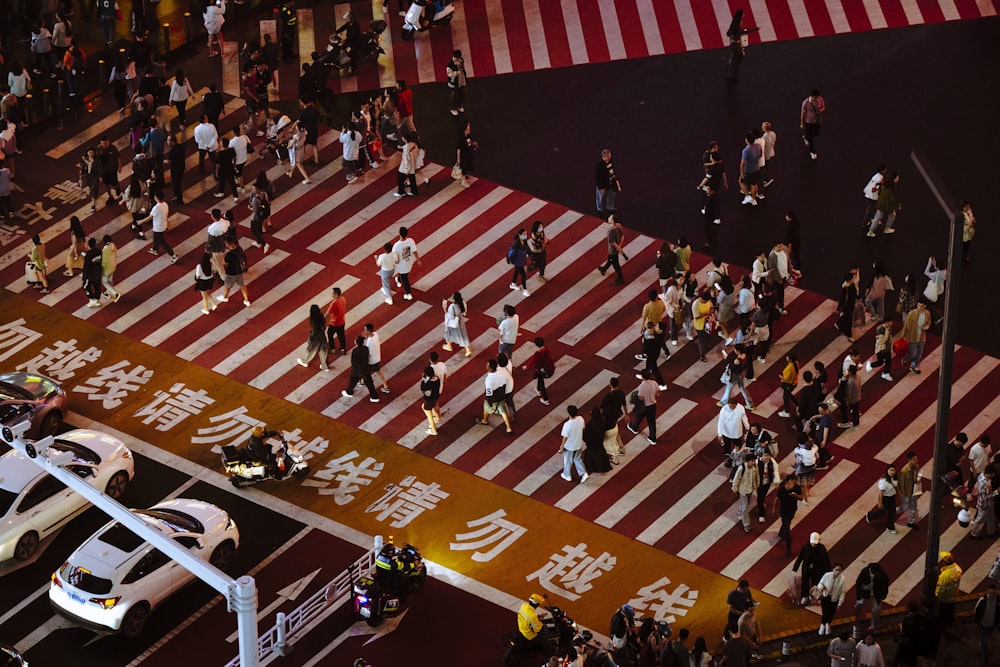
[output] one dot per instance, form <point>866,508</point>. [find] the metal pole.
<point>245,606</point>
<point>188,28</point>
<point>949,206</point>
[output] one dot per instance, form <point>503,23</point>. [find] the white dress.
<point>458,334</point>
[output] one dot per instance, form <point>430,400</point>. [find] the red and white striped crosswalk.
<point>673,495</point>
<point>505,36</point>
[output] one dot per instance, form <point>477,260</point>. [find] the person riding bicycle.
<point>529,625</point>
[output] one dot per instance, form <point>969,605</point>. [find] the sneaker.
<point>760,196</point>
<point>892,530</point>
<point>585,477</point>
<point>408,297</point>
<point>718,404</point>
<point>870,235</point>
<point>346,393</point>
<point>218,195</point>
<point>753,202</point>
<point>760,519</point>
<point>638,376</point>
<point>544,401</point>
<point>747,200</point>
<point>430,432</point>
<point>301,363</point>
<point>915,370</point>
<point>454,112</point>
<point>173,259</point>
<point>399,194</point>
<point>525,292</point>
<point>513,286</point>
<point>650,440</point>
<point>224,299</point>
<point>640,357</point>
<point>673,342</point>
<point>602,270</point>
<point>886,377</point>
<point>384,390</point>
<point>373,399</point>
<point>389,301</point>
<point>566,477</point>
<point>663,387</point>
<point>632,429</point>
<point>868,366</point>
<point>117,296</point>
<point>246,303</point>
<point>844,425</point>
<point>267,246</point>
<point>204,311</point>
<point>761,360</point>
<point>888,231</point>
<point>782,413</point>
<point>813,156</point>
<point>153,252</point>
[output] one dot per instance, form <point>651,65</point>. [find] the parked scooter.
<point>398,572</point>
<point>336,54</point>
<point>424,14</point>
<point>247,467</point>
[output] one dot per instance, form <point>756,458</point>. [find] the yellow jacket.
<point>947,583</point>
<point>527,621</point>
<point>791,374</point>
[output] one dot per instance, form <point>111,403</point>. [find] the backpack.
<point>510,254</point>
<point>634,398</point>
<point>242,256</point>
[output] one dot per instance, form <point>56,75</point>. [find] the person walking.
<point>987,489</point>
<point>360,371</point>
<point>441,371</point>
<point>909,489</point>
<point>612,410</point>
<point>241,147</point>
<point>494,403</point>
<point>180,92</point>
<point>77,247</point>
<point>316,344</point>
<point>454,324</point>
<point>806,456</point>
<point>885,501</point>
<point>789,379</point>
<point>815,561</point>
<point>616,241</point>
<point>846,306</point>
<point>595,458</point>
<point>465,155</point>
<point>850,410</point>
<point>93,273</point>
<point>374,345</point>
<point>536,249</point>
<point>872,584</point>
<point>702,310</point>
<point>870,193</point>
<point>883,351</point>
<point>158,215</point>
<point>647,394</point>
<point>214,16</point>
<point>508,326</point>
<point>109,166</point>
<point>886,206</point>
<point>737,364</point>
<point>235,264</point>
<point>879,284</point>
<point>841,649</point>
<point>457,82</point>
<point>206,138</point>
<point>786,502</point>
<point>915,334</point>
<point>608,185</point>
<point>542,367</point>
<point>387,261</point>
<point>225,157</point>
<point>571,447</point>
<point>517,256</point>
<point>987,617</point>
<point>811,121</point>
<point>260,209</point>
<point>731,426</point>
<point>430,390</point>
<point>336,320</point>
<point>296,153</point>
<point>767,472</point>
<point>832,590</point>
<point>407,172</point>
<point>738,601</point>
<point>750,170</point>
<point>350,138</point>
<point>204,281</point>
<point>176,158</point>
<point>746,481</point>
<point>504,367</point>
<point>947,588</point>
<point>406,250</point>
<point>109,263</point>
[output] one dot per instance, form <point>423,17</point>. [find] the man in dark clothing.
<point>616,239</point>
<point>987,616</point>
<point>614,401</point>
<point>360,370</point>
<point>608,186</point>
<point>815,562</point>
<point>711,212</point>
<point>155,143</point>
<point>289,19</point>
<point>821,432</point>
<point>809,398</point>
<point>353,40</point>
<point>107,160</point>
<point>259,450</point>
<point>739,600</point>
<point>787,500</point>
<point>309,121</point>
<point>212,105</point>
<point>92,272</point>
<point>873,584</point>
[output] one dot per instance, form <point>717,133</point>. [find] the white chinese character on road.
<point>62,360</point>
<point>573,570</point>
<point>169,408</point>
<point>495,530</point>
<point>663,604</point>
<point>37,212</point>
<point>113,383</point>
<point>407,501</point>
<point>14,337</point>
<point>67,192</point>
<point>309,449</point>
<point>11,234</point>
<point>230,428</point>
<point>348,475</point>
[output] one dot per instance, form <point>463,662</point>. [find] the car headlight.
<point>106,603</point>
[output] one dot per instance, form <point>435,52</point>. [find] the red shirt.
<point>335,314</point>
<point>404,103</point>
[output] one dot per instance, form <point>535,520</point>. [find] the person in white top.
<point>441,371</point>
<point>406,252</point>
<point>239,143</point>
<point>296,153</point>
<point>509,323</point>
<point>351,140</point>
<point>206,137</point>
<point>770,139</point>
<point>732,425</point>
<point>374,346</point>
<point>979,456</point>
<point>387,261</point>
<point>868,652</point>
<point>871,194</point>
<point>215,16</point>
<point>180,91</point>
<point>572,445</point>
<point>158,215</point>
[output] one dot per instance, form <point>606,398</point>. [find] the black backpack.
<point>668,656</point>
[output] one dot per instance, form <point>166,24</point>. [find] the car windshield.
<point>125,540</point>
<point>9,391</point>
<point>84,579</point>
<point>80,453</point>
<point>121,538</point>
<point>7,499</point>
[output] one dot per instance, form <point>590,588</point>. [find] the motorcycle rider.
<point>260,451</point>
<point>353,40</point>
<point>529,625</point>
<point>393,566</point>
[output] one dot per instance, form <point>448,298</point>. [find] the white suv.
<point>115,579</point>
<point>33,504</point>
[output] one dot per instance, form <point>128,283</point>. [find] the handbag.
<point>250,149</point>
<point>456,172</point>
<point>726,376</point>
<point>451,320</point>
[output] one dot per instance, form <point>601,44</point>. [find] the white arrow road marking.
<point>286,594</point>
<point>359,629</point>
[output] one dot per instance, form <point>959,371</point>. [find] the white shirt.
<point>979,456</point>
<point>374,348</point>
<point>494,381</point>
<point>441,371</point>
<point>572,430</point>
<point>351,144</point>
<point>733,422</point>
<point>406,251</point>
<point>759,270</point>
<point>218,227</point>
<point>763,149</point>
<point>781,261</point>
<point>207,137</point>
<point>387,261</point>
<point>159,213</point>
<point>179,92</point>
<point>509,384</point>
<point>18,84</point>
<point>239,146</point>
<point>508,329</point>
<point>874,184</point>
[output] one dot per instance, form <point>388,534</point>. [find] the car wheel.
<point>374,620</point>
<point>117,485</point>
<point>222,557</point>
<point>135,620</point>
<point>26,546</point>
<point>51,423</point>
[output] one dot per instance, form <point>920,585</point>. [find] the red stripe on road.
<point>518,41</point>
<point>893,12</point>
<point>554,28</point>
<point>819,18</point>
<point>781,20</point>
<point>596,39</point>
<point>478,27</point>
<point>631,28</point>
<point>856,15</point>
<point>670,27</point>
<point>708,24</point>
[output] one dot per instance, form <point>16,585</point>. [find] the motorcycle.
<point>375,598</point>
<point>245,471</point>
<point>558,629</point>
<point>336,50</point>
<point>424,15</point>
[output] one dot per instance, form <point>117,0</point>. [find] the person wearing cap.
<point>529,624</point>
<point>815,562</point>
<point>623,632</point>
<point>258,448</point>
<point>946,591</point>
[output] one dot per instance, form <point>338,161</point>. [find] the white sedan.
<point>33,504</point>
<point>115,579</point>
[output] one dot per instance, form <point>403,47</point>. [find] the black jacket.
<point>875,576</point>
<point>359,361</point>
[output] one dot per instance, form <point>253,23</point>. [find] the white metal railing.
<point>276,640</point>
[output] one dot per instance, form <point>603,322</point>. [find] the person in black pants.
<point>711,213</point>
<point>616,237</point>
<point>787,501</point>
<point>360,371</point>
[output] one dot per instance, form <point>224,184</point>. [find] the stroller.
<point>277,136</point>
